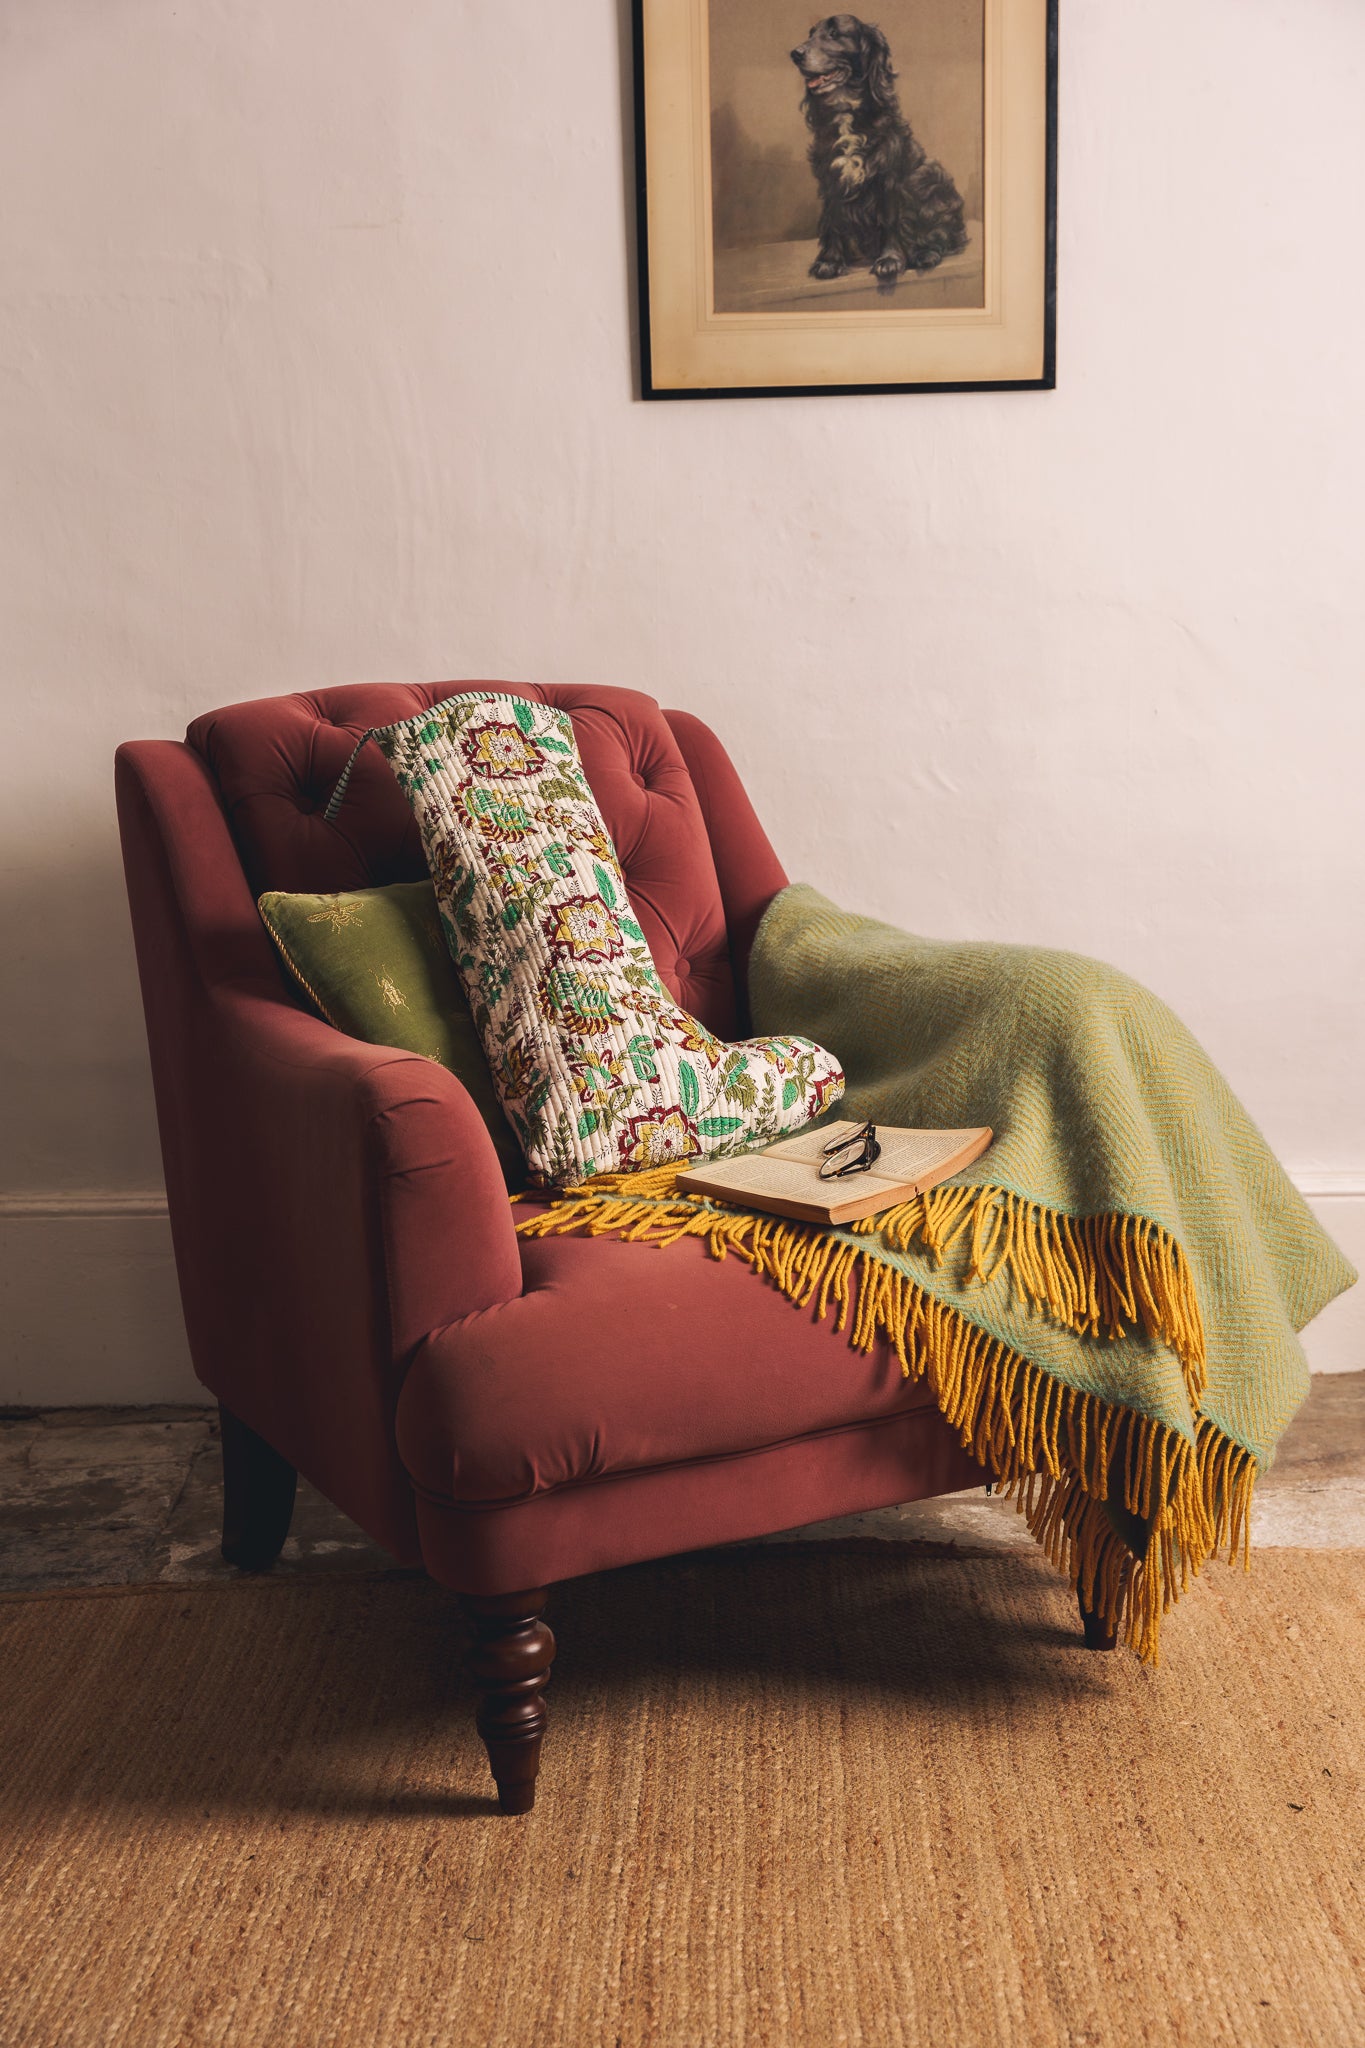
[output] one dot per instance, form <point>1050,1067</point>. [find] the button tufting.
<point>276,760</point>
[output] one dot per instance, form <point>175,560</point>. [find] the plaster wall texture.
<point>316,334</point>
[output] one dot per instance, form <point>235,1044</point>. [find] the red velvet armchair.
<point>506,1413</point>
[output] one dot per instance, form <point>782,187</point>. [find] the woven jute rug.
<point>815,1794</point>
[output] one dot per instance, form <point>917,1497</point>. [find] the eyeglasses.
<point>861,1146</point>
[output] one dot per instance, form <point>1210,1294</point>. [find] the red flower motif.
<point>662,1138</point>
<point>824,1091</point>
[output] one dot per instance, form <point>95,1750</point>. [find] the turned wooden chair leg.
<point>510,1666</point>
<point>258,1496</point>
<point>1098,1634</point>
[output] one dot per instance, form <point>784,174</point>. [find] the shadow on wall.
<point>90,1311</point>
<point>89,1307</point>
<point>76,1110</point>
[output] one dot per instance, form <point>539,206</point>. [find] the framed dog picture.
<point>846,204</point>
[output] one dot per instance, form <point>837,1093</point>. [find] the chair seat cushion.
<point>624,1358</point>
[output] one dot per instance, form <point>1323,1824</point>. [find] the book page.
<point>796,1180</point>
<point>909,1155</point>
<point>809,1144</point>
<point>906,1155</point>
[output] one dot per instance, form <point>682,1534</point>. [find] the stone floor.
<point>118,1496</point>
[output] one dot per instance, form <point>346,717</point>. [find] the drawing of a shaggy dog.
<point>883,201</point>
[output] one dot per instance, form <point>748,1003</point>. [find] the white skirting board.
<point>90,1314</point>
<point>1336,1341</point>
<point>89,1306</point>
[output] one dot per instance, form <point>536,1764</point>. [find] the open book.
<point>785,1178</point>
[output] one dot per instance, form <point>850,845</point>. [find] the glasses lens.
<point>858,1137</point>
<point>865,1150</point>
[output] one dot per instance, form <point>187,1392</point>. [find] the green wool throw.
<point>1106,1306</point>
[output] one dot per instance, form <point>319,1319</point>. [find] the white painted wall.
<point>315,366</point>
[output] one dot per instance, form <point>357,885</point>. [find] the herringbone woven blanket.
<point>1106,1305</point>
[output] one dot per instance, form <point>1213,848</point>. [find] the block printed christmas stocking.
<point>597,1068</point>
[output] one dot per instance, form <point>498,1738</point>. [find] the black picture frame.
<point>651,388</point>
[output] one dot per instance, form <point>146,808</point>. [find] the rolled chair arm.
<point>331,1202</point>
<point>347,1127</point>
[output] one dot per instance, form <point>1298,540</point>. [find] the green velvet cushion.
<point>376,965</point>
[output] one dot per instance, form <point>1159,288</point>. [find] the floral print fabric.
<point>597,1068</point>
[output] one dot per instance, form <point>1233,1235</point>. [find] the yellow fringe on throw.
<point>1059,1452</point>
<point>1095,1275</point>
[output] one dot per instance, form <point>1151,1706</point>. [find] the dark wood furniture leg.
<point>258,1496</point>
<point>510,1666</point>
<point>1098,1634</point>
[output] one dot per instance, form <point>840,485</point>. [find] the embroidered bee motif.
<point>340,916</point>
<point>389,989</point>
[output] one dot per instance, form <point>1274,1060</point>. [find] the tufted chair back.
<point>276,760</point>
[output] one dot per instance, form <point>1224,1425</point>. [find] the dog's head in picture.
<point>846,62</point>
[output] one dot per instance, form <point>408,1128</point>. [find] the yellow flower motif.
<point>520,881</point>
<point>389,989</point>
<point>660,1138</point>
<point>561,818</point>
<point>690,1036</point>
<point>502,750</point>
<point>340,916</point>
<point>597,843</point>
<point>598,1080</point>
<point>585,929</point>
